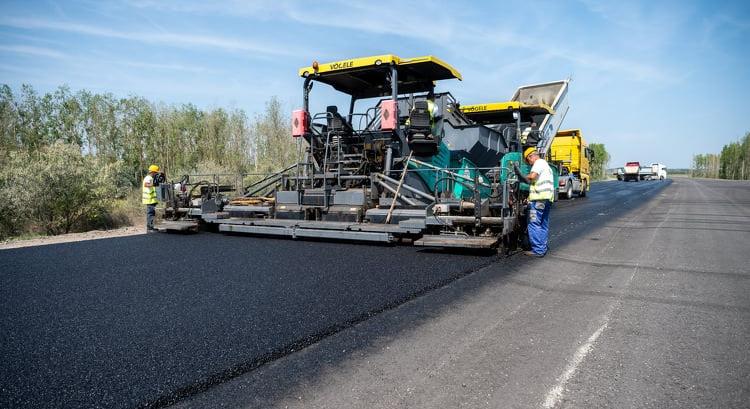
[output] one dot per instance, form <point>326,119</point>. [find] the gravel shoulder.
<point>72,237</point>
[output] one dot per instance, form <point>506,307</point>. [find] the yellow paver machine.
<point>402,163</point>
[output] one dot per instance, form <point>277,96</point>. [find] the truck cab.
<point>658,171</point>
<point>572,155</point>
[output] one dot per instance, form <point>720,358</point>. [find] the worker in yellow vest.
<point>149,197</point>
<point>433,111</point>
<point>541,196</point>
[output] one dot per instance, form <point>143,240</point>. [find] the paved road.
<point>643,301</point>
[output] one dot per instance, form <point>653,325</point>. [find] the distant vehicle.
<point>570,151</point>
<point>618,173</point>
<point>645,173</point>
<point>632,171</point>
<point>658,171</point>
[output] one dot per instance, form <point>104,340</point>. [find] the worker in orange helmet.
<point>541,196</point>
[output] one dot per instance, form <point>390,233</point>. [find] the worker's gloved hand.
<point>520,174</point>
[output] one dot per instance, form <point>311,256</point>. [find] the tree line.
<point>732,163</point>
<point>66,157</point>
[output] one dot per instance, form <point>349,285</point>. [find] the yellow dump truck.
<point>570,151</point>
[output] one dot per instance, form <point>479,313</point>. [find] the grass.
<point>128,211</point>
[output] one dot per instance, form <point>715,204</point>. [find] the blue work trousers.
<point>539,225</point>
<point>150,214</point>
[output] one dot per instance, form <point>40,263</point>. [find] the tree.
<point>9,121</point>
<point>705,165</point>
<point>734,160</point>
<point>600,161</point>
<point>274,146</point>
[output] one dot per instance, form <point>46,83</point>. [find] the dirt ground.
<point>64,238</point>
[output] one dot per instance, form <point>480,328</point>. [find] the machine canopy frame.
<point>502,112</point>
<point>369,77</point>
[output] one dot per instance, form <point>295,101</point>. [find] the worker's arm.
<point>525,178</point>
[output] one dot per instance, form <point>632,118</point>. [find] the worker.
<point>149,197</point>
<point>432,108</point>
<point>527,131</point>
<point>541,195</point>
<point>432,111</point>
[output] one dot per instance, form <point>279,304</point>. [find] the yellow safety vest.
<point>430,110</point>
<point>543,187</point>
<point>149,193</point>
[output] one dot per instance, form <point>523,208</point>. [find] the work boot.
<point>532,254</point>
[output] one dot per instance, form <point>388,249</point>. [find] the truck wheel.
<point>582,193</point>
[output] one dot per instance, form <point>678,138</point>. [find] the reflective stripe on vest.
<point>543,187</point>
<point>149,194</point>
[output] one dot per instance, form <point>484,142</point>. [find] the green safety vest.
<point>543,187</point>
<point>149,193</point>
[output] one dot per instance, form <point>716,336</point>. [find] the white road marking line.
<point>554,394</point>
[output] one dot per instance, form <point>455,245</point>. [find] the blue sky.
<point>653,80</point>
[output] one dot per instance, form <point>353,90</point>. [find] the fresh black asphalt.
<point>148,320</point>
<point>141,320</point>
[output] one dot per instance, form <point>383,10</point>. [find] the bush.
<point>56,190</point>
<point>128,211</point>
<point>13,219</point>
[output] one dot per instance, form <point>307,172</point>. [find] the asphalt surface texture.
<point>641,302</point>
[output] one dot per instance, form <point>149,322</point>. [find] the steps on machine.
<point>457,241</point>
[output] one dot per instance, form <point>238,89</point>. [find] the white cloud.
<point>453,28</point>
<point>167,67</point>
<point>179,40</point>
<point>31,50</point>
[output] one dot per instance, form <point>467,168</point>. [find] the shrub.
<point>60,190</point>
<point>13,218</point>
